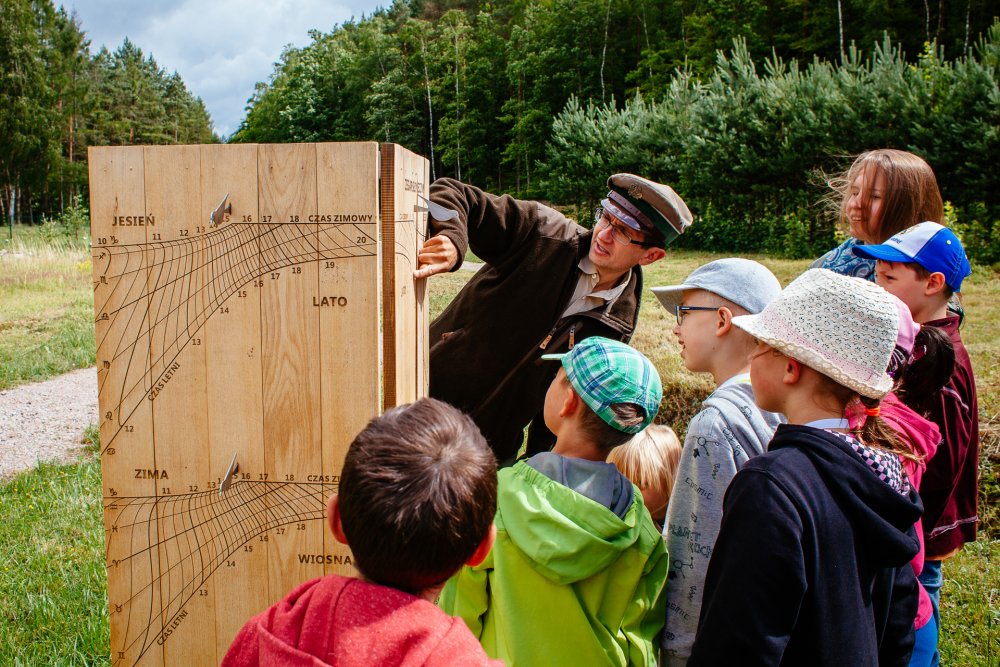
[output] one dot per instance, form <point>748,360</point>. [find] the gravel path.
<point>45,421</point>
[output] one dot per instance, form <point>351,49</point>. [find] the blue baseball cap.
<point>932,246</point>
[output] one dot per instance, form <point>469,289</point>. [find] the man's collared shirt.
<point>585,298</point>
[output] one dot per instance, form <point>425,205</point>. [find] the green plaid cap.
<point>604,372</point>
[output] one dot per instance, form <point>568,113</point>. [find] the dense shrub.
<point>749,151</point>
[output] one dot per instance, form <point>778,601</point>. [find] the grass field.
<point>46,309</point>
<point>52,581</point>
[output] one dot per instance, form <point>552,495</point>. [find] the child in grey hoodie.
<point>729,430</point>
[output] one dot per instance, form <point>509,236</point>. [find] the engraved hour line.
<point>225,524</point>
<point>401,250</point>
<point>141,248</point>
<point>231,256</point>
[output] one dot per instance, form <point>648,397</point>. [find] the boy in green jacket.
<point>578,569</point>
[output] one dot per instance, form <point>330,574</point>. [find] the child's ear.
<point>571,402</point>
<point>724,321</point>
<point>333,518</point>
<point>793,371</point>
<point>483,550</point>
<point>935,284</point>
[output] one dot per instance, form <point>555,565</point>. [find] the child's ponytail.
<point>931,364</point>
<point>875,432</point>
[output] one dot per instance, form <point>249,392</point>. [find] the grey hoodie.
<point>729,430</point>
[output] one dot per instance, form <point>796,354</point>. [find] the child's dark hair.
<point>924,274</point>
<point>932,363</point>
<point>874,432</point>
<point>607,437</point>
<point>602,434</point>
<point>418,493</point>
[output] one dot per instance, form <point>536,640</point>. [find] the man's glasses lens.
<point>601,221</point>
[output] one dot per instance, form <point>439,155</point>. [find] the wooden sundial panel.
<point>238,355</point>
<point>233,376</point>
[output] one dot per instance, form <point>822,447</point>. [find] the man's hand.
<point>437,255</point>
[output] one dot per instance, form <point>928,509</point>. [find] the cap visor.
<point>554,357</point>
<point>670,296</point>
<point>624,216</point>
<point>883,252</point>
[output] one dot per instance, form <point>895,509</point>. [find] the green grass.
<point>46,310</point>
<point>53,589</point>
<point>970,606</point>
<point>53,597</point>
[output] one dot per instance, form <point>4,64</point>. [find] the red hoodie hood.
<point>344,622</point>
<point>923,435</point>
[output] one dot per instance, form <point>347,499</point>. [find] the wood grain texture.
<point>121,305</point>
<point>179,307</point>
<point>290,349</point>
<point>259,339</point>
<point>404,304</point>
<point>348,308</point>
<point>234,392</point>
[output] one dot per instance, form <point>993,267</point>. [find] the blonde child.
<point>812,562</point>
<point>649,460</point>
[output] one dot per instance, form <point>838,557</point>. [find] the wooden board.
<point>404,308</point>
<point>233,360</point>
<point>259,340</point>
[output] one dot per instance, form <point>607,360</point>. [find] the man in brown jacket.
<point>548,283</point>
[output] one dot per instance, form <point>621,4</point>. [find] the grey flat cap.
<point>747,283</point>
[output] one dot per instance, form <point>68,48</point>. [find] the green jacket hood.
<point>567,536</point>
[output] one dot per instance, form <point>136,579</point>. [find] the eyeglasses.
<point>618,232</point>
<point>680,310</point>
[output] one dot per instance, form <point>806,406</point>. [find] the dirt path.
<point>45,421</point>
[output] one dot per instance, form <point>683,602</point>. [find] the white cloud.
<point>220,48</point>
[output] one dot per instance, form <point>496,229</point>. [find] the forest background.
<point>744,107</point>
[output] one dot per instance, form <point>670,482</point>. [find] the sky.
<point>221,48</point>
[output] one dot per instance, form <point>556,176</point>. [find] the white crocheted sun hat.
<point>841,326</point>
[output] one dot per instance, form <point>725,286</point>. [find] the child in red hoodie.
<point>416,501</point>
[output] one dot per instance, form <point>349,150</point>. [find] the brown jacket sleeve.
<point>491,225</point>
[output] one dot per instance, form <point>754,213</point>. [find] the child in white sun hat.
<point>811,565</point>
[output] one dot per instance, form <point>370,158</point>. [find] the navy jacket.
<point>812,564</point>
